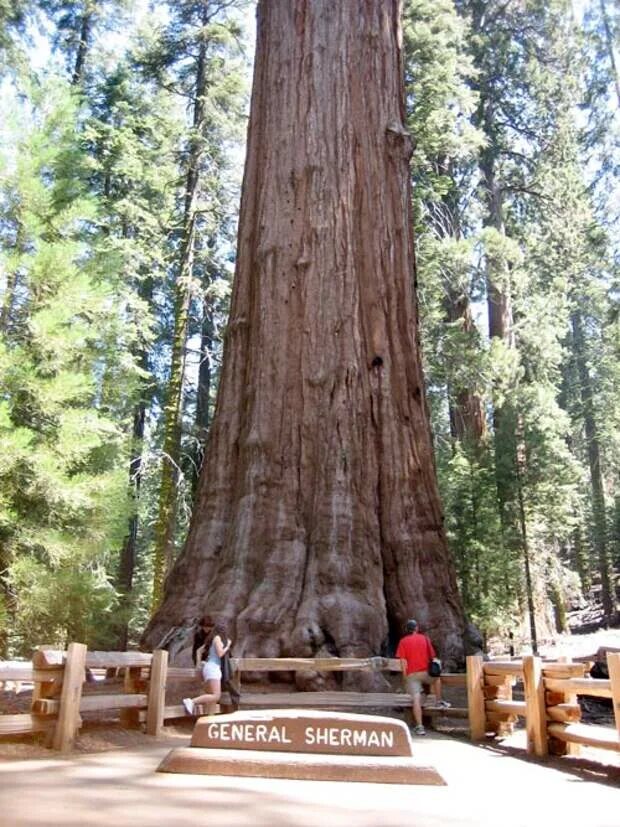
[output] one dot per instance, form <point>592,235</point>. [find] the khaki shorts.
<point>415,681</point>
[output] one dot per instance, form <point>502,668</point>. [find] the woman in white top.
<point>211,642</point>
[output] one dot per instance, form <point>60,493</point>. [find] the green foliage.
<point>59,605</point>
<point>13,14</point>
<point>62,482</point>
<point>503,215</point>
<point>195,54</point>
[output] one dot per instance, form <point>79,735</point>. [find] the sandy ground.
<point>485,785</point>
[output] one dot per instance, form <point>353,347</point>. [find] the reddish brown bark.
<point>318,526</point>
<point>466,408</point>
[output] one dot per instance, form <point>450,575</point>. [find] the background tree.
<point>194,45</point>
<point>134,136</point>
<point>61,492</point>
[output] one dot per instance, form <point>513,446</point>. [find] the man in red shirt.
<point>417,650</point>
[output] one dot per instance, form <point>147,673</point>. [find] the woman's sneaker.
<point>444,704</point>
<point>189,706</point>
<point>419,730</point>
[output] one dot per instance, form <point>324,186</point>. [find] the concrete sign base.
<point>308,767</point>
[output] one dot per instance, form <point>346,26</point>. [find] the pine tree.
<point>76,24</point>
<point>133,137</point>
<point>438,75</point>
<point>62,490</point>
<point>13,15</point>
<point>194,55</point>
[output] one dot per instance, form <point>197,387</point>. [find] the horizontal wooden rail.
<point>500,680</point>
<point>118,660</point>
<point>564,713</point>
<point>323,700</point>
<point>454,679</point>
<point>171,712</point>
<point>580,686</point>
<point>28,674</point>
<point>184,673</point>
<point>92,703</point>
<point>316,664</point>
<point>45,658</point>
<point>564,670</point>
<point>12,670</point>
<point>22,724</point>
<point>509,707</point>
<point>498,667</point>
<point>587,734</point>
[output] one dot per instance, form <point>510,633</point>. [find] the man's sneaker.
<point>189,706</point>
<point>419,730</point>
<point>444,704</point>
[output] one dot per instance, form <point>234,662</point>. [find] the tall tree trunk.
<point>466,409</point>
<point>205,381</point>
<point>499,308</point>
<point>12,278</point>
<point>7,301</point>
<point>521,466</point>
<point>167,509</point>
<point>318,526</point>
<point>127,562</point>
<point>594,462</point>
<point>86,26</point>
<point>467,420</point>
<point>609,42</point>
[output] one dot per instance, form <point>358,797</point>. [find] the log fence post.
<point>570,698</point>
<point>475,697</point>
<point>69,719</point>
<point>613,664</point>
<point>536,713</point>
<point>41,690</point>
<point>132,684</point>
<point>157,693</point>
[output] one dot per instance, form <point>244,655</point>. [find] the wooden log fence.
<point>551,709</point>
<point>550,690</point>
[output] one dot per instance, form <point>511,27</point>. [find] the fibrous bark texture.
<point>318,527</point>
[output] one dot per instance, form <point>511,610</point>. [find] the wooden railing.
<point>57,700</point>
<point>549,706</point>
<point>335,699</point>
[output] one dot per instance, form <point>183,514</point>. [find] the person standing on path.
<point>211,643</point>
<point>417,650</point>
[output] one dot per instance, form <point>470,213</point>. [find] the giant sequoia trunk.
<point>317,527</point>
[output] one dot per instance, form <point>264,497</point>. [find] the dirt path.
<point>485,786</point>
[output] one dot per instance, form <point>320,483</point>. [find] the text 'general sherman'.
<point>311,735</point>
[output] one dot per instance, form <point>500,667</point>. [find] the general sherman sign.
<point>305,744</point>
<point>301,731</point>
